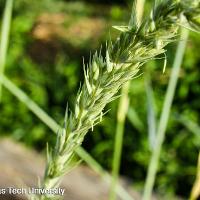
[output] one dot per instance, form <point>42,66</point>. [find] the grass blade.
<point>5,37</point>
<point>152,169</point>
<point>46,119</point>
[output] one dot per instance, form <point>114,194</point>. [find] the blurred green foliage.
<point>47,42</point>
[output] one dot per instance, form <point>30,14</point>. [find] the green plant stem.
<point>46,119</point>
<point>5,37</point>
<point>152,169</point>
<point>121,116</point>
<point>30,104</point>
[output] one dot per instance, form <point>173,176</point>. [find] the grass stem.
<point>5,37</point>
<point>152,169</point>
<point>121,116</point>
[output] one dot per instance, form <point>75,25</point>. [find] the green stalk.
<point>121,117</point>
<point>5,37</point>
<point>46,119</point>
<point>152,169</point>
<point>30,104</point>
